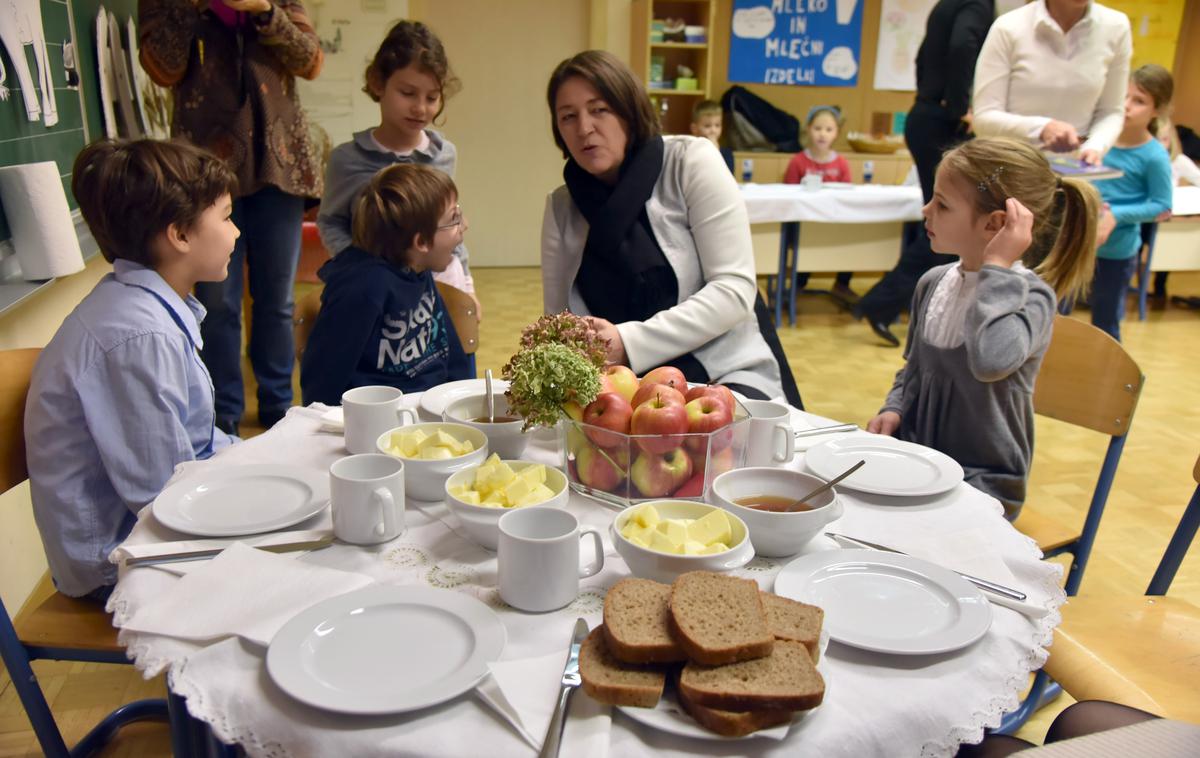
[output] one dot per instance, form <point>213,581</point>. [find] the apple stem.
<point>602,451</point>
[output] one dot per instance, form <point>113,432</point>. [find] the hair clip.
<point>992,177</point>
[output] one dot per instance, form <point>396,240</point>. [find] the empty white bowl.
<point>666,567</point>
<point>482,523</point>
<point>775,535</point>
<point>425,479</point>
<point>505,438</point>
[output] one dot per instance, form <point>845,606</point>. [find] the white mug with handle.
<point>366,494</point>
<point>538,555</point>
<point>369,412</point>
<point>771,440</point>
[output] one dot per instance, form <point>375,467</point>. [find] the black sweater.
<point>954,34</point>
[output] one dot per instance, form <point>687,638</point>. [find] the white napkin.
<point>524,692</point>
<point>126,551</point>
<point>244,592</point>
<point>333,421</point>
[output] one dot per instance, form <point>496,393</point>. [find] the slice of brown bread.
<point>719,619</point>
<point>792,620</point>
<point>732,723</point>
<point>635,622</point>
<point>610,681</point>
<point>785,680</point>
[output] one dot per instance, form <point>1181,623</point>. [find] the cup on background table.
<point>371,411</point>
<point>771,439</point>
<point>811,181</point>
<point>538,555</point>
<point>366,494</point>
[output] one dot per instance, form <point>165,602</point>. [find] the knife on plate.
<point>196,555</point>
<point>825,430</point>
<point>570,681</point>
<point>983,584</point>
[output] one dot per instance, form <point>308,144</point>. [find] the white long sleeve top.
<point>1030,72</point>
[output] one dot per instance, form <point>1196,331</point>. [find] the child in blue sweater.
<point>1141,194</point>
<point>382,320</point>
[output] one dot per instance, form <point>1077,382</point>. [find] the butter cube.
<point>674,530</point>
<point>466,446</point>
<point>663,544</point>
<point>436,453</point>
<point>646,516</point>
<point>469,496</point>
<point>496,498</point>
<point>516,490</point>
<point>539,494</point>
<point>716,547</point>
<point>713,527</point>
<point>535,474</point>
<point>691,547</point>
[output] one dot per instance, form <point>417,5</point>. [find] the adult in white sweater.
<point>1054,73</point>
<point>650,238</point>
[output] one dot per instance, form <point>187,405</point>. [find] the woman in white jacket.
<point>649,236</point>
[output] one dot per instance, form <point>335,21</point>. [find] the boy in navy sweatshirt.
<point>382,320</point>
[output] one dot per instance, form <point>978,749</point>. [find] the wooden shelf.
<point>679,45</point>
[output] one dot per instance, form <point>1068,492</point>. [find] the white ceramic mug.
<point>538,553</point>
<point>366,493</point>
<point>771,439</point>
<point>369,412</point>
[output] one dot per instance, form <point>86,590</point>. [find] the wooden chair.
<point>464,316</point>
<point>52,625</point>
<point>304,317</point>
<point>1140,650</point>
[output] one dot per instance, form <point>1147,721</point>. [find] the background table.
<point>876,705</point>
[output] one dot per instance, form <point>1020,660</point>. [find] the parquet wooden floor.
<point>843,372</point>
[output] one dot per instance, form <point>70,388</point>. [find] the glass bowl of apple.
<point>653,438</point>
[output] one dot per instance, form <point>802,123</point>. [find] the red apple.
<point>721,461</point>
<point>647,391</point>
<point>662,415</point>
<point>656,475</point>
<point>622,380</point>
<point>597,470</point>
<point>609,411</point>
<point>716,390</point>
<point>708,414</point>
<point>668,375</point>
<point>693,487</point>
<point>643,393</point>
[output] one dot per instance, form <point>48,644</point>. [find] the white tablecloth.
<point>847,204</point>
<point>875,706</point>
<point>1186,201</point>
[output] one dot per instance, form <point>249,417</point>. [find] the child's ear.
<point>176,238</point>
<point>995,222</point>
<point>375,84</point>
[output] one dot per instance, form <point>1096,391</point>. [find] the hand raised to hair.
<point>1059,137</point>
<point>1013,239</point>
<point>608,330</point>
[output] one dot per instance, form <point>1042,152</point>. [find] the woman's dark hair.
<point>410,42</point>
<point>613,80</point>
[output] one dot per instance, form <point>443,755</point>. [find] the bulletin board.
<point>796,42</point>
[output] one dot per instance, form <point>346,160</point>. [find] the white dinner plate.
<point>385,649</point>
<point>886,602</point>
<point>894,467</point>
<point>668,715</point>
<point>240,500</point>
<point>435,399</point>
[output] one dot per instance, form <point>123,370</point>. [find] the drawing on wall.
<point>21,25</point>
<point>797,42</point>
<point>901,30</point>
<point>154,103</point>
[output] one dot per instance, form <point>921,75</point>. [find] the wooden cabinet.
<point>657,62</point>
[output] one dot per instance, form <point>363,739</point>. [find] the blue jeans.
<point>270,244</point>
<point>1108,293</point>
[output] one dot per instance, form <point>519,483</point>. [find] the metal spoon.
<point>491,399</point>
<point>792,507</point>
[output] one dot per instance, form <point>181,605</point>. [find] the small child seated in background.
<point>120,396</point>
<point>706,122</point>
<point>382,320</point>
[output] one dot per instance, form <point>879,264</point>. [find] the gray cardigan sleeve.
<point>342,186</point>
<point>894,400</point>
<point>1009,322</point>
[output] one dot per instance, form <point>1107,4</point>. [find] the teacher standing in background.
<point>1054,73</point>
<point>232,66</point>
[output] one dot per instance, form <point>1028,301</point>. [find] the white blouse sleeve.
<point>1109,117</point>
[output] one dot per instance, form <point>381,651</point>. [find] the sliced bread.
<point>610,681</point>
<point>719,619</point>
<point>732,723</point>
<point>635,622</point>
<point>785,680</point>
<point>792,620</point>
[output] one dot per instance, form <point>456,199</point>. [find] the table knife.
<point>825,430</point>
<point>983,584</point>
<point>196,555</point>
<point>570,681</point>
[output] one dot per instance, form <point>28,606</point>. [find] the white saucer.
<point>435,399</point>
<point>385,649</point>
<point>888,603</point>
<point>240,500</point>
<point>893,467</point>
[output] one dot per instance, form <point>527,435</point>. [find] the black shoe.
<point>884,332</point>
<point>227,425</point>
<point>271,416</point>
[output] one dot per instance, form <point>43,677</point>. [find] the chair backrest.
<point>304,316</point>
<point>461,307</point>
<point>16,369</point>
<point>1087,379</point>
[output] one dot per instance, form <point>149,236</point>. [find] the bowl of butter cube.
<point>481,494</point>
<point>431,453</point>
<point>662,539</point>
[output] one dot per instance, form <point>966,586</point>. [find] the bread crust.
<point>595,660</point>
<point>806,686</point>
<point>732,723</point>
<point>755,643</point>
<point>667,650</point>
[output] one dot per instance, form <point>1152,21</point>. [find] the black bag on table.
<point>755,124</point>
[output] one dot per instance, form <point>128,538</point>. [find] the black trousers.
<point>929,132</point>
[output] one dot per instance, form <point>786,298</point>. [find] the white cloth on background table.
<point>854,204</point>
<point>876,705</point>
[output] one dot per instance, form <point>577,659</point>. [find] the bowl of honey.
<point>766,499</point>
<point>503,428</point>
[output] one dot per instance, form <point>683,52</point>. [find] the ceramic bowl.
<point>426,480</point>
<point>482,523</point>
<point>505,438</point>
<point>775,535</point>
<point>665,567</point>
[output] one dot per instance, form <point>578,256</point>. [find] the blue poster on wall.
<point>799,42</point>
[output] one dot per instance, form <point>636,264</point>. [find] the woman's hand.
<point>1091,157</point>
<point>1059,137</point>
<point>1104,225</point>
<point>885,423</point>
<point>249,6</point>
<point>608,330</point>
<point>1013,239</point>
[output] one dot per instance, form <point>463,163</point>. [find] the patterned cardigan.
<point>235,88</point>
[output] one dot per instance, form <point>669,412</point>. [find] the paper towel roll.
<point>37,212</point>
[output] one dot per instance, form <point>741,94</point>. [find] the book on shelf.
<point>1064,165</point>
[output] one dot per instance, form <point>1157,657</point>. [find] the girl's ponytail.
<point>1068,267</point>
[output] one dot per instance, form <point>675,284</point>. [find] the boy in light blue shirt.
<point>119,396</point>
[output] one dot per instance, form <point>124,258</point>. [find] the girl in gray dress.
<point>1024,237</point>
